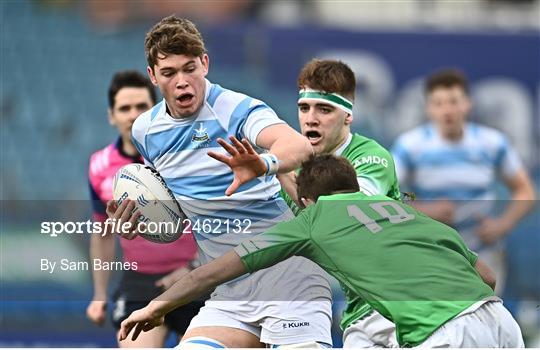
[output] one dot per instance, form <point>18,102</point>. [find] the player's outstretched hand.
<point>243,161</point>
<point>97,311</point>
<point>124,218</point>
<point>140,320</point>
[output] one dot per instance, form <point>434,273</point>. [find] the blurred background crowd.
<point>57,58</point>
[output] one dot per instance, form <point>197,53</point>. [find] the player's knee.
<point>195,343</point>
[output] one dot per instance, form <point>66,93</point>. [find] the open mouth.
<point>313,136</point>
<point>185,99</point>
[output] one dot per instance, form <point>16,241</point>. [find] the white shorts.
<point>489,326</point>
<point>371,331</point>
<point>286,304</point>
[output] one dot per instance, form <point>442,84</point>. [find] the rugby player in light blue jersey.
<point>453,166</point>
<point>287,304</point>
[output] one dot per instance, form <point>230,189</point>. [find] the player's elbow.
<point>530,193</point>
<point>525,198</point>
<point>525,192</point>
<point>490,280</point>
<point>522,187</point>
<point>486,273</point>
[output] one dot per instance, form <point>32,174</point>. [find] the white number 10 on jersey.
<point>381,209</point>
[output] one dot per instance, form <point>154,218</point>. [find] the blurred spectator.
<point>452,165</point>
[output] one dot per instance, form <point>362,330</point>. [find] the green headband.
<point>330,98</point>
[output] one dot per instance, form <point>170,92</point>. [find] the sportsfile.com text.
<point>111,225</point>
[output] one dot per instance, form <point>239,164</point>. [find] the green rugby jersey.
<point>376,174</point>
<point>413,270</point>
<point>374,168</point>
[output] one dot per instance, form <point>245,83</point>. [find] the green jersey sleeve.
<point>374,167</point>
<point>292,205</point>
<point>277,244</point>
<point>472,257</point>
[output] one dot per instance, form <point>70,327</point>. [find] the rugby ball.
<point>161,214</point>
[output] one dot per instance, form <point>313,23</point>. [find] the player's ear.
<point>205,60</point>
<point>307,202</point>
<point>348,119</point>
<point>110,116</point>
<point>151,75</point>
<point>429,109</point>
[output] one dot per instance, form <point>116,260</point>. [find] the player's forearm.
<point>197,283</point>
<point>521,204</point>
<point>103,248</point>
<point>291,149</point>
<point>182,292</point>
<point>523,197</point>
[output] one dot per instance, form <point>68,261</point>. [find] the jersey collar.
<point>120,147</point>
<point>341,148</point>
<point>432,130</point>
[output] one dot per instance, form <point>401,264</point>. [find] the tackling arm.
<point>188,288</point>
